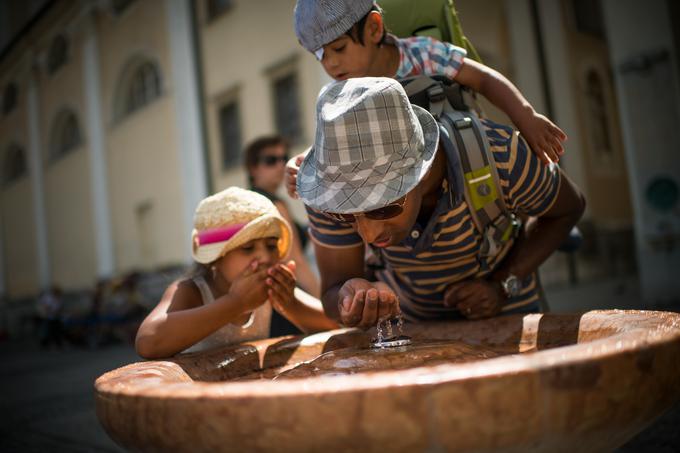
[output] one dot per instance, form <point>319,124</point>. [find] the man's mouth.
<point>383,241</point>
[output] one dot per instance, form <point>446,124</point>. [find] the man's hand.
<point>292,167</point>
<point>362,303</point>
<point>476,298</point>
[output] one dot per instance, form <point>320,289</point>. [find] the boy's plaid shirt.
<point>422,55</point>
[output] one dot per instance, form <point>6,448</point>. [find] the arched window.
<point>597,114</point>
<point>65,135</point>
<point>140,85</point>
<point>14,165</point>
<point>56,56</point>
<point>9,98</point>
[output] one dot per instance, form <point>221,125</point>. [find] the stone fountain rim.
<point>138,383</point>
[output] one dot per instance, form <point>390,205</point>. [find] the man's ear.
<point>375,27</point>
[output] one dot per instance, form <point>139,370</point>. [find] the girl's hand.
<point>362,303</point>
<point>292,168</point>
<point>249,289</point>
<point>544,138</point>
<point>281,285</point>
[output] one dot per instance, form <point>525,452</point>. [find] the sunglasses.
<point>270,161</point>
<point>384,213</point>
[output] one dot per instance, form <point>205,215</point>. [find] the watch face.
<point>515,286</point>
<point>512,286</point>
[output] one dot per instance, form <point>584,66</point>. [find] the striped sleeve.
<point>529,186</point>
<point>330,233</point>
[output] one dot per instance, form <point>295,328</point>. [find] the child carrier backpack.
<point>434,18</point>
<point>454,107</point>
<point>471,162</point>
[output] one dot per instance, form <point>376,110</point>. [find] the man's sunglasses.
<point>270,161</point>
<point>384,213</point>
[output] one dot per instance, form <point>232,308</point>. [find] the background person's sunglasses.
<point>384,213</point>
<point>270,161</point>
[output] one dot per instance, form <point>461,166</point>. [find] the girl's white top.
<point>255,328</point>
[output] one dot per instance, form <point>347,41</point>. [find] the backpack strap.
<point>435,93</point>
<point>483,193</point>
<point>472,166</point>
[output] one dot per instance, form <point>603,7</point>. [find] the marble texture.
<point>585,382</point>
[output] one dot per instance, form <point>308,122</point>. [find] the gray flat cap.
<point>318,22</point>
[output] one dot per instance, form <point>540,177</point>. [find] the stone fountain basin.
<point>586,382</point>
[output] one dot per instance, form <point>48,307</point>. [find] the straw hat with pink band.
<point>233,217</point>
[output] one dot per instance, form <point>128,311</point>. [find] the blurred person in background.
<point>122,312</point>
<point>265,160</point>
<point>50,306</point>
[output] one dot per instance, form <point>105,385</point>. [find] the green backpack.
<point>435,18</point>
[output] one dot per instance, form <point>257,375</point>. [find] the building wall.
<point>67,184</point>
<point>648,90</point>
<point>485,23</point>
<point>145,193</point>
<point>17,221</point>
<point>18,237</point>
<point>606,172</point>
<point>69,216</point>
<point>143,168</point>
<point>240,61</point>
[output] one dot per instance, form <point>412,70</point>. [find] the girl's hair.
<point>196,270</point>
<point>256,147</point>
<point>356,31</point>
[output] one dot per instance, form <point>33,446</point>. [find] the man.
<point>377,176</point>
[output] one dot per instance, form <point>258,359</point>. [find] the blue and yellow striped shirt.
<point>444,251</point>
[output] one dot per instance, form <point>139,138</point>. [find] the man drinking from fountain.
<point>384,194</point>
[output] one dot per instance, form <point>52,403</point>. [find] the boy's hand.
<point>281,284</point>
<point>476,298</point>
<point>249,289</point>
<point>292,168</point>
<point>362,303</point>
<point>544,138</point>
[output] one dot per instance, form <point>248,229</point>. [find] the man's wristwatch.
<point>511,285</point>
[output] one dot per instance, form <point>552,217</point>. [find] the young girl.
<point>239,242</point>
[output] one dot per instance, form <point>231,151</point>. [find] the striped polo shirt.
<point>444,251</point>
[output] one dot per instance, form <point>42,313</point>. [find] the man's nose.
<point>369,230</point>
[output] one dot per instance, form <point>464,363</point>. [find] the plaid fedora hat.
<point>372,147</point>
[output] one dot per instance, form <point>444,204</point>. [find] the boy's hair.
<point>255,148</point>
<point>356,31</point>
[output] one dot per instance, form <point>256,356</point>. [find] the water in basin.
<point>424,352</point>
